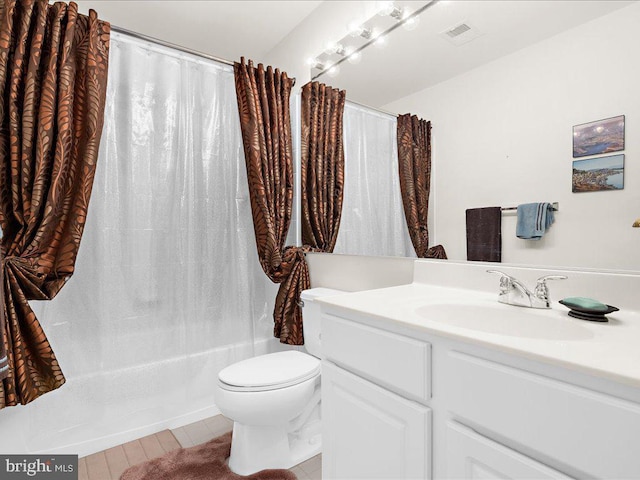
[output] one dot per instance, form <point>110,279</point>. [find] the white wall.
<point>502,135</point>
<point>353,273</point>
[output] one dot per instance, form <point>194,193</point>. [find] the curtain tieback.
<point>23,273</point>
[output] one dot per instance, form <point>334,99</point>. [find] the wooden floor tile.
<point>134,452</point>
<point>82,469</point>
<point>97,467</point>
<point>198,432</point>
<point>182,437</point>
<point>219,425</point>
<point>152,447</point>
<point>117,461</point>
<point>167,441</point>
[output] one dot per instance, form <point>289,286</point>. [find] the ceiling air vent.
<point>459,30</point>
<point>461,33</point>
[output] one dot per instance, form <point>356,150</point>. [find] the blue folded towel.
<point>533,220</point>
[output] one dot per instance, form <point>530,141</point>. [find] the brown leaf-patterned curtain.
<point>263,103</point>
<point>53,74</point>
<point>4,361</point>
<point>414,163</point>
<point>322,179</point>
<point>322,169</point>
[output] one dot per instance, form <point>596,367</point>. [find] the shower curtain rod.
<point>157,41</point>
<point>180,48</point>
<point>375,109</point>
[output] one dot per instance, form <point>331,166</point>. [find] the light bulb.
<point>315,62</point>
<point>333,71</point>
<point>380,41</point>
<point>410,23</point>
<point>355,58</point>
<point>330,47</point>
<point>397,13</point>
<point>359,30</point>
<point>355,28</point>
<point>385,8</point>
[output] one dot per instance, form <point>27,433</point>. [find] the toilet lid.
<point>268,372</point>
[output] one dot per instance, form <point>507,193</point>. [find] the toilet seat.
<point>269,372</point>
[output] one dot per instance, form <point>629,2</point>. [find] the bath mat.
<point>202,462</point>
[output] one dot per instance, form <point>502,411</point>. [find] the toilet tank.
<point>312,316</point>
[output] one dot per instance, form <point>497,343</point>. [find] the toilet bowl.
<point>274,400</point>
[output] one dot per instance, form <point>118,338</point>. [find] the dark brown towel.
<point>484,236</point>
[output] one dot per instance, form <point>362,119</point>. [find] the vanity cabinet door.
<point>370,432</point>
<point>472,456</point>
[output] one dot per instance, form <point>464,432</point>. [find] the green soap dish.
<point>587,304</point>
<point>588,309</point>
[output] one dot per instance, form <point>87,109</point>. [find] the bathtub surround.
<point>53,76</point>
<point>414,168</point>
<point>204,462</point>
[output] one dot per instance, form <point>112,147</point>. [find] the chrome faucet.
<point>514,292</point>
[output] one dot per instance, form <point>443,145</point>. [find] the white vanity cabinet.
<point>403,403</point>
<point>472,456</point>
<point>375,387</point>
<point>370,432</point>
<point>568,423</point>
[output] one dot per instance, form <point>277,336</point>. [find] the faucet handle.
<point>506,281</point>
<point>499,273</point>
<point>542,291</point>
<point>551,277</point>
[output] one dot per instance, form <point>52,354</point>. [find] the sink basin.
<point>507,320</point>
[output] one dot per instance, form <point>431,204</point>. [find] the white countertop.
<point>609,350</point>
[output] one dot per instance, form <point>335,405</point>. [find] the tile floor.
<point>109,464</point>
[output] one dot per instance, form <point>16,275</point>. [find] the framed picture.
<point>597,174</point>
<point>601,136</point>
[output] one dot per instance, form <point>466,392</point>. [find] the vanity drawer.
<point>396,362</point>
<point>474,457</point>
<point>574,429</point>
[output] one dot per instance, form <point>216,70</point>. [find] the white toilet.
<point>274,400</point>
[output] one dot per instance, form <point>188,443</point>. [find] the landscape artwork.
<point>602,136</point>
<point>597,174</point>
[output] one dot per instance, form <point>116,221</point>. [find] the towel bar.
<point>555,206</point>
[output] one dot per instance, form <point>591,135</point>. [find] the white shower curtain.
<point>373,220</point>
<point>168,287</point>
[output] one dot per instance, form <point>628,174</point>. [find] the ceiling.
<point>414,60</point>
<point>410,61</point>
<point>226,29</point>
